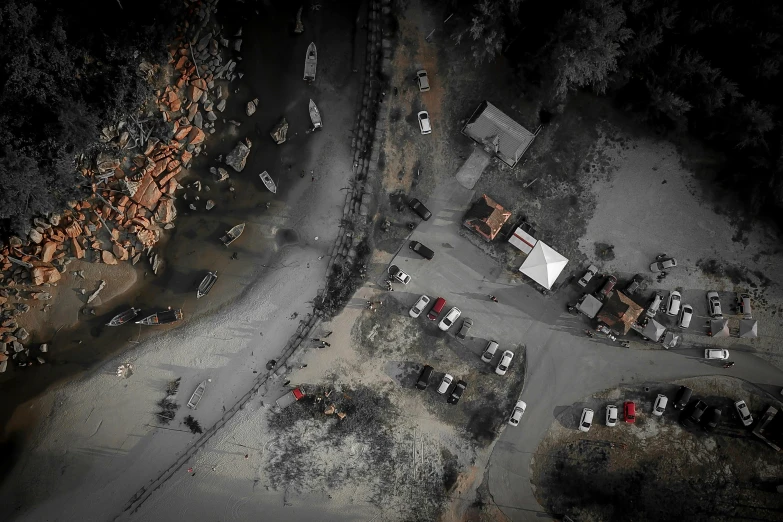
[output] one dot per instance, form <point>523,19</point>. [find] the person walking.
<point>493,298</point>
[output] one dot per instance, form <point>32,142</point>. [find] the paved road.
<point>564,365</point>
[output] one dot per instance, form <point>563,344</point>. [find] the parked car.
<point>673,307</point>
<point>744,413</point>
<point>467,323</point>
<point>504,363</point>
<point>419,208</point>
<point>713,304</point>
<point>711,418</point>
<point>611,415</point>
<point>744,306</point>
<point>424,377</point>
<point>697,410</point>
<point>654,305</point>
<point>633,286</point>
<point>449,319</point>
<point>663,264</point>
<point>419,307</point>
<point>420,249</point>
<point>436,309</point>
<point>682,398</point>
<point>686,315</point>
<point>586,421</point>
<point>399,275</point>
<point>591,271</point>
<point>629,412</point>
<point>715,353</point>
<point>445,383</point>
<point>608,287</point>
<point>422,80</point>
<point>457,392</point>
<point>660,404</point>
<point>424,122</point>
<point>516,416</point>
<point>489,351</point>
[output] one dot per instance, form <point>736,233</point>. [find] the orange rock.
<point>192,110</point>
<point>44,274</point>
<point>76,248</point>
<point>108,257</point>
<point>181,63</point>
<point>173,164</point>
<point>196,136</point>
<point>73,230</point>
<point>181,82</point>
<point>119,252</point>
<point>123,201</point>
<point>160,167</point>
<point>186,158</point>
<point>201,83</point>
<point>48,251</point>
<point>182,132</point>
<point>194,93</point>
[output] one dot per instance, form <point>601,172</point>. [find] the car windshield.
<point>502,367</point>
<point>585,424</point>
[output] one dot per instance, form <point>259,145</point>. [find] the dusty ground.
<point>635,472</point>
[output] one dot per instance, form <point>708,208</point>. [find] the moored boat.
<point>233,234</point>
<point>165,317</point>
<point>196,397</point>
<point>311,62</point>
<point>315,116</point>
<point>206,284</point>
<point>270,184</point>
<point>124,317</point>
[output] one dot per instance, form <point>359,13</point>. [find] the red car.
<point>629,408</point>
<point>437,308</point>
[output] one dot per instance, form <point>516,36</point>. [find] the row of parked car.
<point>694,413</point>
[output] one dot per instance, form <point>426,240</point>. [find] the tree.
<point>487,29</point>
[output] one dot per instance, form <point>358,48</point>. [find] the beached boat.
<point>206,284</point>
<point>233,234</point>
<point>270,184</point>
<point>196,397</point>
<point>311,62</point>
<point>124,317</point>
<point>315,116</point>
<point>166,317</point>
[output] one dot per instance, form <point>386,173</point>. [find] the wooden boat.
<point>166,317</point>
<point>233,234</point>
<point>311,62</point>
<point>206,284</point>
<point>196,397</point>
<point>315,116</point>
<point>124,317</point>
<point>270,184</point>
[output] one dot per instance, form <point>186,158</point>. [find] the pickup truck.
<point>591,271</point>
<point>290,398</point>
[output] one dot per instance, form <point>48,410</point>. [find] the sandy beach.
<point>86,446</point>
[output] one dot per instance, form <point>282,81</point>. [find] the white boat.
<point>206,284</point>
<point>233,234</point>
<point>270,184</point>
<point>315,116</point>
<point>311,62</point>
<point>124,317</point>
<point>196,397</point>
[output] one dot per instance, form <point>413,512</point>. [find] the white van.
<point>656,303</point>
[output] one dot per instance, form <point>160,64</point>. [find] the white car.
<point>424,122</point>
<point>686,315</point>
<point>519,410</point>
<point>663,264</point>
<point>401,276</point>
<point>713,302</point>
<point>713,353</point>
<point>504,363</point>
<point>744,413</point>
<point>445,383</point>
<point>423,80</point>
<point>660,404</point>
<point>489,351</point>
<point>591,271</point>
<point>675,299</point>
<point>586,421</point>
<point>449,319</point>
<point>611,415</point>
<point>419,307</point>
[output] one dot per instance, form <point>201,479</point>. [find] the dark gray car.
<point>467,323</point>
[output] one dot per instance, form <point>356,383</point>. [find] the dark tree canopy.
<point>65,69</point>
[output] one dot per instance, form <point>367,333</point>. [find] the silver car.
<point>419,307</point>
<point>489,351</point>
<point>611,415</point>
<point>587,420</point>
<point>744,413</point>
<point>519,410</point>
<point>663,264</point>
<point>713,302</point>
<point>449,319</point>
<point>504,363</point>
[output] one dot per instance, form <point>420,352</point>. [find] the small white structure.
<point>543,265</point>
<point>522,240</point>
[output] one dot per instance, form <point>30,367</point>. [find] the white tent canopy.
<point>543,265</point>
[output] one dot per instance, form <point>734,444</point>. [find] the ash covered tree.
<point>489,21</point>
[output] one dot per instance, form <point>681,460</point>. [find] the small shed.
<point>653,330</point>
<point>523,239</point>
<point>620,312</point>
<point>671,339</point>
<point>589,305</point>
<point>719,328</point>
<point>486,217</point>
<point>498,134</point>
<point>748,328</point>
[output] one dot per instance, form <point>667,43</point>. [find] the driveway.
<point>564,365</point>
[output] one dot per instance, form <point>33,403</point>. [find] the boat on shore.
<point>166,317</point>
<point>206,284</point>
<point>196,397</point>
<point>311,62</point>
<point>315,116</point>
<point>233,234</point>
<point>270,184</point>
<point>124,317</point>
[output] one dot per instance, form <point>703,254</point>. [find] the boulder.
<point>237,158</point>
<point>238,44</point>
<point>108,257</point>
<point>251,107</point>
<point>198,120</point>
<point>221,106</point>
<point>119,252</point>
<point>35,236</point>
<point>44,274</point>
<point>21,334</point>
<point>194,93</point>
<point>221,174</point>
<point>196,136</point>
<point>78,251</point>
<point>166,212</point>
<point>280,131</point>
<point>48,251</point>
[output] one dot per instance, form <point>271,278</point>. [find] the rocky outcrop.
<point>237,158</point>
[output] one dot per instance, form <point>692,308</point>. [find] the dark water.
<point>272,61</point>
